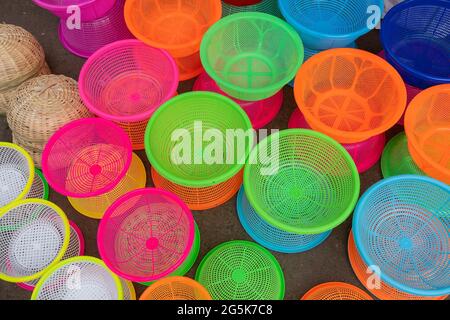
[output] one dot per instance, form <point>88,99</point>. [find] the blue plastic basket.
<point>265,6</point>
<point>401,225</point>
<point>331,23</point>
<point>271,237</point>
<point>416,38</point>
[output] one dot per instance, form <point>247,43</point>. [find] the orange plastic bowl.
<point>177,26</point>
<point>201,198</point>
<point>176,288</point>
<point>384,292</point>
<point>427,127</point>
<point>349,94</point>
<point>336,291</point>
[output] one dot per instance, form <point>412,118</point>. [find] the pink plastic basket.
<point>260,112</point>
<point>92,35</point>
<point>365,153</point>
<point>126,81</point>
<point>146,235</point>
<point>86,158</point>
<point>89,9</point>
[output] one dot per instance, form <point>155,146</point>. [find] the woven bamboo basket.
<point>34,150</point>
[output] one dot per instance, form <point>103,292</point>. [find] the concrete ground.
<point>328,262</point>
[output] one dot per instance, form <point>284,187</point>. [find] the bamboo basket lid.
<point>43,105</point>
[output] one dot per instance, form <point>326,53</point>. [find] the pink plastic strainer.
<point>86,157</point>
<point>88,9</point>
<point>146,235</point>
<point>127,81</point>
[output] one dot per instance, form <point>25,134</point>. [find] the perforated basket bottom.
<point>336,291</point>
<point>12,183</point>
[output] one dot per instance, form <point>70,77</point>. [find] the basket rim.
<point>31,167</point>
<point>128,12</point>
<point>44,183</point>
<point>305,230</point>
<point>356,136</point>
<point>89,259</point>
<point>386,34</point>
<point>48,6</point>
<point>355,34</point>
<point>143,191</point>
<point>247,244</point>
<point>168,280</point>
<point>360,247</point>
<point>73,124</point>
<point>282,25</point>
<point>207,182</point>
<point>62,250</point>
<point>108,50</point>
<point>336,284</point>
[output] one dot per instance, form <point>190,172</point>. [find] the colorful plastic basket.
<point>365,153</point>
<point>74,249</point>
<point>186,117</point>
<point>86,158</point>
<point>415,38</point>
<point>396,159</point>
<point>94,34</point>
<point>401,225</point>
<point>310,187</point>
<point>349,94</point>
<point>176,288</point>
<point>266,6</point>
<point>16,173</point>
<point>80,278</point>
<point>427,126</point>
<point>332,23</point>
<point>241,270</point>
<point>146,235</point>
<point>336,291</point>
<point>271,237</point>
<point>95,207</point>
<point>88,9</point>
<point>378,288</point>
<point>260,112</point>
<point>34,236</point>
<point>39,189</point>
<point>251,55</point>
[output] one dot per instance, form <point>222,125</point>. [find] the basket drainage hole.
<point>152,243</point>
<point>406,243</point>
<point>95,169</point>
<point>239,276</point>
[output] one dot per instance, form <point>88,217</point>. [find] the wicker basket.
<point>34,150</point>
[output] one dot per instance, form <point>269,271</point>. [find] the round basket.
<point>310,187</point>
<point>251,55</point>
<point>241,270</point>
<point>401,225</point>
<point>176,288</point>
<point>336,291</point>
<point>88,9</point>
<point>230,7</point>
<point>35,236</point>
<point>39,189</point>
<point>146,235</point>
<point>427,126</point>
<point>34,150</point>
<point>362,97</point>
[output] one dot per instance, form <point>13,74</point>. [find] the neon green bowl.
<point>251,55</point>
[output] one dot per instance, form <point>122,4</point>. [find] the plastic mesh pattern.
<point>401,224</point>
<point>146,234</point>
<point>176,288</point>
<point>307,183</point>
<point>270,236</point>
<point>89,9</point>
<point>264,6</point>
<point>241,270</point>
<point>336,291</point>
<point>39,188</point>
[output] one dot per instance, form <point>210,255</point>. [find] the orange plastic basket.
<point>136,132</point>
<point>349,94</point>
<point>176,288</point>
<point>176,26</point>
<point>427,127</point>
<point>190,66</point>
<point>336,291</point>
<point>201,198</point>
<point>384,292</point>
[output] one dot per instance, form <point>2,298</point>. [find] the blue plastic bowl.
<point>332,23</point>
<point>271,237</point>
<point>402,224</point>
<point>416,38</point>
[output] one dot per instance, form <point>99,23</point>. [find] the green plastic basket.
<point>396,159</point>
<point>241,270</point>
<point>182,115</point>
<point>312,189</point>
<point>251,55</point>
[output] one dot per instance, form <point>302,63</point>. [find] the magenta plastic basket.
<point>146,234</point>
<point>92,35</point>
<point>89,9</point>
<point>86,158</point>
<point>126,81</point>
<point>260,112</point>
<point>365,153</point>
